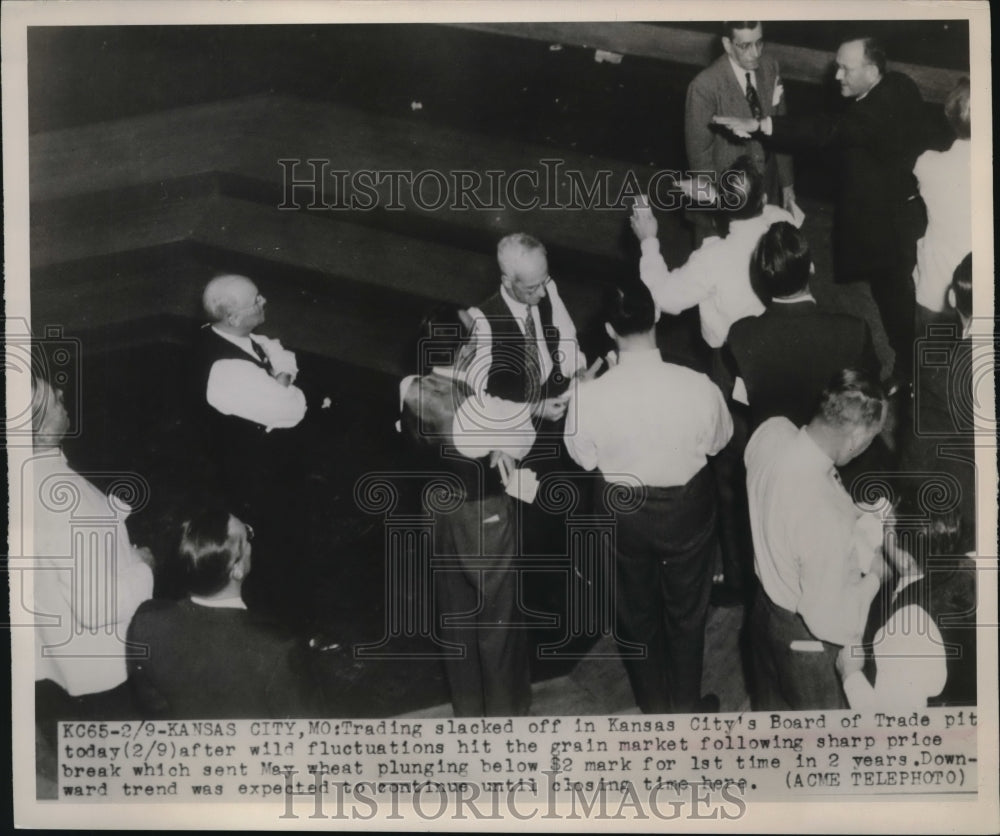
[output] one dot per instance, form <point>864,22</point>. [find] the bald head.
<point>860,65</point>
<point>234,304</point>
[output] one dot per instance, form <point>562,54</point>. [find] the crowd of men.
<point>723,484</point>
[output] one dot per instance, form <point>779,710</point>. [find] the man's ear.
<point>950,296</point>
<point>727,45</point>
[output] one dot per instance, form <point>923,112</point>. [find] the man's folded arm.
<point>243,389</point>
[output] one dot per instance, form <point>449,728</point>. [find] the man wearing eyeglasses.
<point>743,81</point>
<point>526,352</point>
<point>526,348</point>
<point>879,216</point>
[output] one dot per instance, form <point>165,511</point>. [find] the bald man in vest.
<point>247,383</point>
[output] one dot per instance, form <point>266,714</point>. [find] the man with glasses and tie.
<point>874,140</point>
<point>526,352</point>
<point>742,81</point>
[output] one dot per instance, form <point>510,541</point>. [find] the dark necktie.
<point>534,360</point>
<point>263,356</point>
<point>753,100</point>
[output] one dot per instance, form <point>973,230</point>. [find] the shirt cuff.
<point>650,246</point>
<point>766,126</point>
<point>855,688</point>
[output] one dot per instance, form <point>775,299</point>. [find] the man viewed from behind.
<point>650,427</point>
<point>813,556</point>
<point>787,355</point>
<point>208,655</point>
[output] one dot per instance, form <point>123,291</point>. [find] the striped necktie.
<point>753,100</point>
<point>263,356</point>
<point>534,360</point>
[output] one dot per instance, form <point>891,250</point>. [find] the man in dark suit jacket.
<point>742,81</point>
<point>208,655</point>
<point>787,355</point>
<point>879,216</point>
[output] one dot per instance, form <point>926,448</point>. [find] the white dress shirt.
<point>910,665</point>
<point>482,423</point>
<point>482,335</point>
<point>648,420</point>
<point>89,583</point>
<point>945,182</point>
<point>716,277</point>
<point>244,389</point>
<point>806,537</point>
<point>741,76</point>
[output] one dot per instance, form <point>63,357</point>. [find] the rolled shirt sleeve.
<point>244,389</point>
<point>580,444</point>
<point>484,423</point>
<point>674,291</point>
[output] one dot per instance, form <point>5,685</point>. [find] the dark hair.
<point>741,193</point>
<point>852,398</point>
<point>780,262</point>
<point>630,310</point>
<point>956,109</point>
<point>961,285</point>
<point>874,53</point>
<point>206,552</point>
<point>442,333</point>
<point>729,27</point>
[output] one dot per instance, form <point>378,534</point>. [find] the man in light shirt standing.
<point>90,581</point>
<point>814,555</point>
<point>649,427</point>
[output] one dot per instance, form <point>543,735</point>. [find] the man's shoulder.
<point>711,75</point>
<point>774,436</point>
<point>494,306</point>
<point>898,81</point>
<point>156,611</point>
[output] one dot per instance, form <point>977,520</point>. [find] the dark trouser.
<point>731,485</point>
<point>664,554</point>
<point>476,607</point>
<point>787,679</point>
<point>895,298</point>
<point>892,286</point>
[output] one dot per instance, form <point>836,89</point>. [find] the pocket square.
<point>494,519</point>
<point>779,91</point>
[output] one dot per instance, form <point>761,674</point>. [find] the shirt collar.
<point>811,455</point>
<point>519,309</point>
<point>741,75</point>
<point>644,356</point>
<point>233,603</point>
<point>804,297</point>
<point>907,580</point>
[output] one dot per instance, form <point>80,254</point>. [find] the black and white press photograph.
<point>574,402</point>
